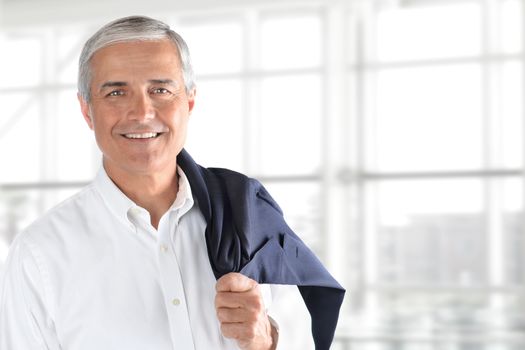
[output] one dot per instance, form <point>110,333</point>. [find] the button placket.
<point>172,287</point>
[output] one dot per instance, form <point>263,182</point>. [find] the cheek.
<point>101,136</point>
<point>176,117</point>
<point>102,127</point>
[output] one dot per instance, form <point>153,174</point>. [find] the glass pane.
<point>214,47</point>
<point>427,118</point>
<point>301,204</point>
<point>20,138</point>
<point>446,317</point>
<point>512,26</point>
<point>68,45</point>
<point>430,232</point>
<point>437,320</point>
<point>291,42</point>
<point>216,131</point>
<point>21,61</point>
<point>291,125</point>
<point>78,157</point>
<point>511,109</point>
<point>510,310</point>
<point>19,208</point>
<point>513,221</point>
<point>450,30</point>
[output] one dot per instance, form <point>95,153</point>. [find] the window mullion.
<point>334,142</point>
<point>368,96</point>
<point>251,93</point>
<point>492,146</point>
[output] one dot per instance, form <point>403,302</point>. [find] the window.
<point>442,176</point>
<point>390,132</point>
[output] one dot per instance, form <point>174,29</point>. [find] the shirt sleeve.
<point>25,322</point>
<point>289,313</point>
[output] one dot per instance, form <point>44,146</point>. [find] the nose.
<point>141,107</point>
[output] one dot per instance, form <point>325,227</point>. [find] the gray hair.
<point>133,28</point>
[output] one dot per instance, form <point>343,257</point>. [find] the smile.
<point>146,135</point>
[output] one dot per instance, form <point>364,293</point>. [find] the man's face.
<point>139,108</point>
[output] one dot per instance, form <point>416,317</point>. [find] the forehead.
<point>136,58</point>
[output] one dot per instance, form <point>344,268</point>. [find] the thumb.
<point>235,282</point>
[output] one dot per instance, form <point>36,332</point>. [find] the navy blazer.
<point>246,233</point>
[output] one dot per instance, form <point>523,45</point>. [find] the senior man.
<point>158,252</point>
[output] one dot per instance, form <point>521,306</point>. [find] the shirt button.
<point>135,211</point>
<point>176,302</point>
<point>163,248</point>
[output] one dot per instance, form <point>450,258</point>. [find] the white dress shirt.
<point>94,274</point>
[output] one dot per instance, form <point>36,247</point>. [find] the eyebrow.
<point>110,84</point>
<point>163,81</point>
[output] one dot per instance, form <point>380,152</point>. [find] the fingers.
<point>232,315</point>
<point>240,309</point>
<point>250,299</point>
<point>235,282</point>
<point>239,332</point>
<point>247,313</point>
<point>250,331</point>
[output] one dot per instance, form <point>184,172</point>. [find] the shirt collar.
<point>121,205</point>
<point>184,201</point>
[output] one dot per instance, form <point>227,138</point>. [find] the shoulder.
<point>228,174</point>
<point>241,185</point>
<point>234,179</point>
<point>65,214</point>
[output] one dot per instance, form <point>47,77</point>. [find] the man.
<point>148,255</point>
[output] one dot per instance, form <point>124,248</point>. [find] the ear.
<point>191,99</point>
<point>86,110</point>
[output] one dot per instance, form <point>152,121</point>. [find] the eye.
<point>116,93</point>
<point>161,91</point>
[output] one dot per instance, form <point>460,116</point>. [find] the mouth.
<point>142,136</point>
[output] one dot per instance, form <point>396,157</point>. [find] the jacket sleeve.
<point>25,322</point>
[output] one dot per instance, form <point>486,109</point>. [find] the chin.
<point>151,166</point>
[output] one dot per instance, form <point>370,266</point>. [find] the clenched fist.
<point>241,312</point>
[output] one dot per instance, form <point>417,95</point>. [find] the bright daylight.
<point>390,133</point>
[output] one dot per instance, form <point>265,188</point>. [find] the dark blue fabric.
<point>246,233</point>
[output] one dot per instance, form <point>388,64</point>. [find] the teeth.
<point>147,135</point>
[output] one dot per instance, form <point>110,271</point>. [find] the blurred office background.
<point>390,131</point>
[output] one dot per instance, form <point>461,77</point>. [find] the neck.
<point>154,192</point>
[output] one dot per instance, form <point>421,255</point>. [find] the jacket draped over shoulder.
<point>246,233</point>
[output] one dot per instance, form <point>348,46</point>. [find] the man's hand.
<point>240,309</point>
